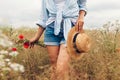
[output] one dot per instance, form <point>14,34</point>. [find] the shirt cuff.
<point>84,9</point>
<point>41,24</point>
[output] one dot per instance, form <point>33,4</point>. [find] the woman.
<point>56,18</point>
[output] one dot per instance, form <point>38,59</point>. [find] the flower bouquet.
<point>25,42</point>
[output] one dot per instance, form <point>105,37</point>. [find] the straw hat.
<point>78,44</point>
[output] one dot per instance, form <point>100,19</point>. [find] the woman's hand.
<point>35,39</point>
<point>80,21</point>
<point>32,41</point>
<point>79,25</point>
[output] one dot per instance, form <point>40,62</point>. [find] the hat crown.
<point>77,43</point>
<point>83,42</point>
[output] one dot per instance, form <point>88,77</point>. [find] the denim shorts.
<point>51,39</point>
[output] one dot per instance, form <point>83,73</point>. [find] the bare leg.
<point>53,52</point>
<point>63,64</point>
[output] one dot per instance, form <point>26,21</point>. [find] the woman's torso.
<point>59,4</point>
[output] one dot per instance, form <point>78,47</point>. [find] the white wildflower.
<point>6,69</point>
<point>1,57</point>
<point>7,60</point>
<point>21,68</point>
<point>4,52</point>
<point>9,63</point>
<point>4,41</point>
<point>17,67</point>
<point>2,64</point>
<point>13,53</point>
<point>14,66</point>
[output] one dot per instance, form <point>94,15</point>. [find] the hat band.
<point>74,44</point>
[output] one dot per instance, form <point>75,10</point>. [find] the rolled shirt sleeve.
<point>82,5</point>
<point>43,15</point>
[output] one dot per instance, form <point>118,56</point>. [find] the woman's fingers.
<point>79,26</point>
<point>76,26</point>
<point>31,42</point>
<point>32,45</point>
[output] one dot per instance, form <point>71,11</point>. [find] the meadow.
<point>102,62</point>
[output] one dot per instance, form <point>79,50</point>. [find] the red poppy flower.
<point>26,45</point>
<point>21,37</point>
<point>14,49</point>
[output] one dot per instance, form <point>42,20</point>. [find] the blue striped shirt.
<point>67,14</point>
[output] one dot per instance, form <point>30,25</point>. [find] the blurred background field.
<point>101,63</point>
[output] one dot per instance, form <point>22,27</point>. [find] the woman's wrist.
<point>39,33</point>
<point>81,19</point>
<point>81,15</point>
<point>35,39</point>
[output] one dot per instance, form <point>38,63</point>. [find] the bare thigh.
<point>53,52</point>
<point>63,59</point>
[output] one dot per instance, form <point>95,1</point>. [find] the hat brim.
<point>70,45</point>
